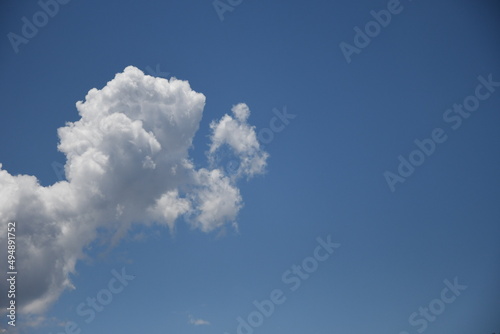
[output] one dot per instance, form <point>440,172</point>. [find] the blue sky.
<point>325,171</point>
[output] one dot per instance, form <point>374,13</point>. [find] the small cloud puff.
<point>198,322</point>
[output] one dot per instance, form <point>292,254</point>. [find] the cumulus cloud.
<point>127,161</point>
<point>240,137</point>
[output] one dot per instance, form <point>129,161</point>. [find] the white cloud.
<point>197,322</point>
<point>127,162</point>
<point>241,138</point>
